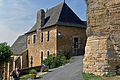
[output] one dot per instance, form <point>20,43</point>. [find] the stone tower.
<point>102,54</point>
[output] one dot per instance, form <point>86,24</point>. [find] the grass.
<point>87,76</point>
<point>25,77</point>
<point>91,77</point>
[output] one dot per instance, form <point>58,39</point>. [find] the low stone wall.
<point>27,70</point>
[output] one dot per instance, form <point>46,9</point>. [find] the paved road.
<point>70,71</point>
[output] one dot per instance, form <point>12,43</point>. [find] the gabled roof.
<point>19,45</point>
<point>61,15</point>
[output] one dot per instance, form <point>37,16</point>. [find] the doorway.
<point>76,46</point>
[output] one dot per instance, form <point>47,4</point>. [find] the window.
<point>48,53</point>
<point>41,57</point>
<point>34,39</point>
<point>48,36</point>
<point>41,37</point>
<point>29,41</point>
<point>31,61</point>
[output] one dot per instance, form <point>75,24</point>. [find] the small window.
<point>41,37</point>
<point>29,41</point>
<point>48,53</point>
<point>34,39</point>
<point>48,36</point>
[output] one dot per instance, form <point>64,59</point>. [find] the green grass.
<point>87,76</point>
<point>25,77</point>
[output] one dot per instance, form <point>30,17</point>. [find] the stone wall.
<point>25,60</point>
<point>35,49</point>
<point>65,42</point>
<point>56,44</point>
<point>102,55</point>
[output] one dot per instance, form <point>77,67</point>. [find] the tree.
<point>5,54</point>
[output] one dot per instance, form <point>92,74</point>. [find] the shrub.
<point>53,61</point>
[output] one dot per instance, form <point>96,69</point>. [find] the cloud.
<point>16,18</point>
<point>1,2</point>
<point>7,35</point>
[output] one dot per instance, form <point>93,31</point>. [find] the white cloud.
<point>7,35</point>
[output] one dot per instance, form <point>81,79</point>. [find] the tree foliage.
<point>5,53</point>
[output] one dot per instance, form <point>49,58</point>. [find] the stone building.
<point>102,55</point>
<point>57,31</point>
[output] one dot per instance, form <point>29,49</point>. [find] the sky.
<point>19,16</point>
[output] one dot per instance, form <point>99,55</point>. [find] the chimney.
<point>40,22</point>
<point>40,18</point>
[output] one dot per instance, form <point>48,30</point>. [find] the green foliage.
<point>53,61</point>
<point>25,77</point>
<point>5,53</point>
<point>88,76</point>
<point>110,75</point>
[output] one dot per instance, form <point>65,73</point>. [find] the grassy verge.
<point>25,77</point>
<point>93,77</point>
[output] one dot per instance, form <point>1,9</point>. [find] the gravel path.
<point>72,71</point>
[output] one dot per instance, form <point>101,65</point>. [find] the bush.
<point>53,61</point>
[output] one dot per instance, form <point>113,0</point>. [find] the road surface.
<point>72,71</point>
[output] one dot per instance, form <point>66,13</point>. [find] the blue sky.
<point>18,16</point>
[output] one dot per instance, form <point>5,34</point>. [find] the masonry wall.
<point>102,55</point>
<point>56,44</point>
<point>34,55</point>
<point>50,45</point>
<point>25,60</point>
<point>65,42</point>
<point>35,49</point>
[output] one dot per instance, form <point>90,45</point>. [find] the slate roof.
<point>61,15</point>
<point>20,45</point>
